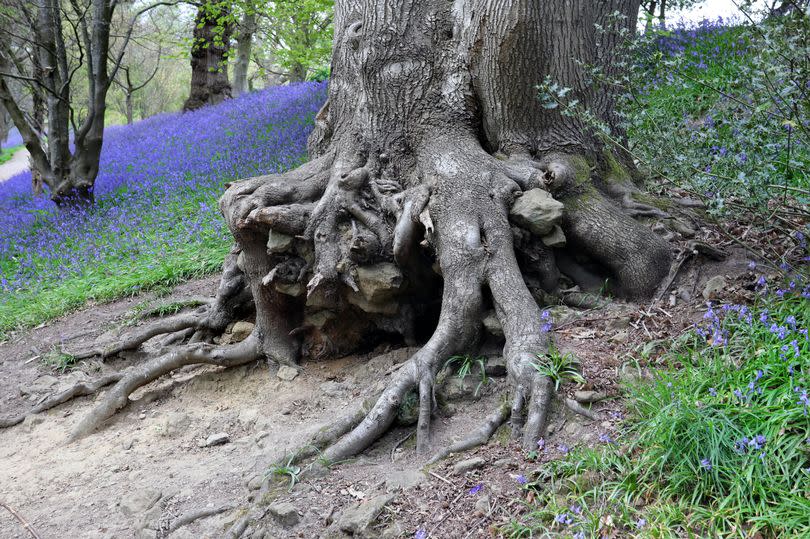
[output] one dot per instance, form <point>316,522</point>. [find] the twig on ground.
<point>22,521</point>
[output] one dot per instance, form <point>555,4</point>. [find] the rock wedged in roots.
<point>398,228</point>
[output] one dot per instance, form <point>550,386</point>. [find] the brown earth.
<point>145,467</point>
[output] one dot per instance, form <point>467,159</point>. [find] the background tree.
<point>62,41</point>
<point>5,125</point>
<point>296,37</point>
<point>245,30</point>
<point>209,55</point>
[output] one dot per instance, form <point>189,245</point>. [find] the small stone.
<point>255,482</point>
<point>492,324</point>
<point>468,465</point>
<point>285,513</point>
<point>458,388</point>
<point>713,287</point>
<point>139,501</point>
<point>127,444</point>
<point>332,388</point>
<point>241,331</point>
<point>287,373</point>
<point>174,424</point>
<point>379,282</point>
<point>623,322</point>
<point>504,463</point>
<point>359,518</point>
<point>32,421</point>
<point>219,438</point>
<point>556,238</point>
<point>278,242</point>
<point>589,396</point>
<point>620,337</point>
<point>404,480</point>
<point>248,416</point>
<point>495,366</point>
<point>537,211</point>
<point>482,505</point>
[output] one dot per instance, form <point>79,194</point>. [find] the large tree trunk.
<point>209,65</point>
<point>431,131</point>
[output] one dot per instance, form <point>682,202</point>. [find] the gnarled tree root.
<point>80,389</point>
<point>140,375</point>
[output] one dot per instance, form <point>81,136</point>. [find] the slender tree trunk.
<point>209,65</point>
<point>431,132</point>
<point>129,106</point>
<point>245,45</point>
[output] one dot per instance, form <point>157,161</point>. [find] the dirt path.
<point>18,163</point>
<point>147,466</point>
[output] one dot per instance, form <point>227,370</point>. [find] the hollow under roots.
<point>335,255</point>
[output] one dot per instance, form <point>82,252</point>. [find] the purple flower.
<point>541,444</point>
<point>564,449</point>
<point>521,479</point>
<point>476,489</point>
<point>640,523</point>
<point>564,518</point>
<point>605,438</point>
<point>421,533</point>
<point>712,392</point>
<point>706,464</point>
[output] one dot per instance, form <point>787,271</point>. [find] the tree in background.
<point>296,37</point>
<point>50,46</point>
<point>245,29</point>
<point>5,125</point>
<point>209,54</point>
<point>657,9</point>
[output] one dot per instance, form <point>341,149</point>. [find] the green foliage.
<point>299,36</point>
<point>717,445</point>
<point>287,470</point>
<point>7,153</point>
<point>58,360</point>
<point>559,367</point>
<point>465,366</point>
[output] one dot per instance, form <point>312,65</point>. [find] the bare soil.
<point>145,467</point>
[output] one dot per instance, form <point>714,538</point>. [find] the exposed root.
<point>577,408</point>
<point>140,375</point>
<point>80,389</point>
<point>478,437</point>
<point>135,339</point>
<point>193,516</point>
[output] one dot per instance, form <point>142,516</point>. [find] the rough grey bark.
<point>209,65</point>
<point>431,130</point>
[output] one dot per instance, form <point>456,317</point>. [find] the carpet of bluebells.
<point>156,218</point>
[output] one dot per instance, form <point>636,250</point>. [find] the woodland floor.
<point>106,484</point>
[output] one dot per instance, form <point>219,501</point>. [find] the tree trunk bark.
<point>209,64</point>
<point>431,131</point>
<point>129,107</point>
<point>244,47</point>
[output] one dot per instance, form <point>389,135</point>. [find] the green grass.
<point>7,153</point>
<point>683,466</point>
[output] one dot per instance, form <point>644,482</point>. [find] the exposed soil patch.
<point>147,466</point>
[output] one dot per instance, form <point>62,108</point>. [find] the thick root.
<point>80,389</point>
<point>478,437</point>
<point>138,376</point>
